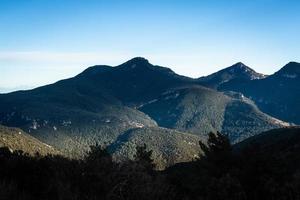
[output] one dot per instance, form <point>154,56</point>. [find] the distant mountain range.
<point>4,90</point>
<point>137,102</point>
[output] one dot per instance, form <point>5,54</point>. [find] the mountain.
<point>103,103</point>
<point>96,106</point>
<point>70,115</point>
<point>134,82</point>
<point>16,139</point>
<point>201,110</point>
<point>277,94</point>
<point>236,72</point>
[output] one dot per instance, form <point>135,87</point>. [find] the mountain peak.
<point>290,70</point>
<point>240,66</point>
<point>137,61</point>
<point>243,71</point>
<point>238,71</point>
<point>291,67</point>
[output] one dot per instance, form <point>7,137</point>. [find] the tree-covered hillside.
<point>17,140</point>
<point>102,103</point>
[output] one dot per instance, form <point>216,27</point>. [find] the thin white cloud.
<point>59,57</point>
<point>190,65</point>
<point>36,68</point>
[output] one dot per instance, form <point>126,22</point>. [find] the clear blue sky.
<point>42,41</point>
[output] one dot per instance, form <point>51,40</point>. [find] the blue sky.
<point>42,41</point>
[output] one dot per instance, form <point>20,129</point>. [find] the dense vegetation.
<point>168,146</point>
<point>194,108</point>
<point>222,173</point>
<point>252,172</point>
<point>102,103</point>
<point>95,177</point>
<point>16,139</point>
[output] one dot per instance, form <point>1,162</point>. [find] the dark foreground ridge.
<point>251,172</point>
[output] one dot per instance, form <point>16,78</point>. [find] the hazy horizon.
<point>70,72</point>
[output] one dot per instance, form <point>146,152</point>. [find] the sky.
<point>42,41</point>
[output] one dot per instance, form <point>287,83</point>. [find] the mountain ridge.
<point>238,71</point>
<point>102,103</point>
<point>277,95</point>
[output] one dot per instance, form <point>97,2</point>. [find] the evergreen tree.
<point>218,150</point>
<point>144,157</point>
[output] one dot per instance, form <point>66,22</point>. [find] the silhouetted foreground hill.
<point>274,141</point>
<point>24,177</point>
<point>263,167</point>
<point>251,172</point>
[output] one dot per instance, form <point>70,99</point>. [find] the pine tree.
<point>144,157</point>
<point>217,144</point>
